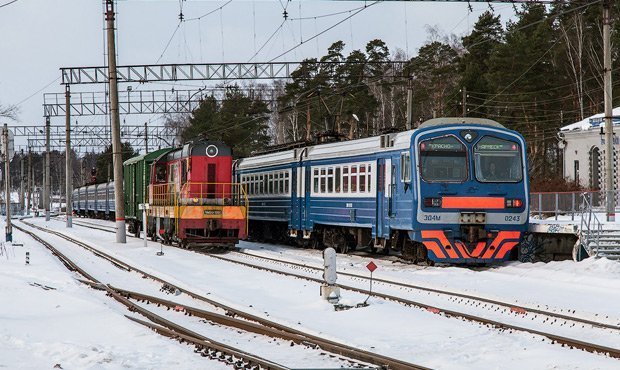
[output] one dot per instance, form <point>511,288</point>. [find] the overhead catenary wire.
<point>7,4</point>
<point>325,30</point>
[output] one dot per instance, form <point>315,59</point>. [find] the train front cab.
<point>192,198</point>
<point>472,193</point>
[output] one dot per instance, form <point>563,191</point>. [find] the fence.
<point>555,204</point>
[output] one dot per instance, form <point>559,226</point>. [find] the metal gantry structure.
<point>162,101</point>
<point>90,138</point>
<point>203,72</point>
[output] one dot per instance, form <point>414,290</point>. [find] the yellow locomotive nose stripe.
<point>233,213</point>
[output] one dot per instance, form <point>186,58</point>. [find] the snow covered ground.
<point>79,328</point>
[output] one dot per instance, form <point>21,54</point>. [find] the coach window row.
<point>267,183</point>
<point>342,179</point>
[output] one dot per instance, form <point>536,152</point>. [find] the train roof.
<point>374,144</point>
<point>148,156</point>
<point>369,145</point>
<point>459,121</point>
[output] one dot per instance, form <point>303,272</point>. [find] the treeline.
<point>542,71</point>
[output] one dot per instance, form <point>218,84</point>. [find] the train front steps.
<point>607,245</point>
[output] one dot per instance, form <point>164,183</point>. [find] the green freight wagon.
<point>136,173</point>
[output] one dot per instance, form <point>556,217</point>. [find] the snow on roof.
<point>593,121</point>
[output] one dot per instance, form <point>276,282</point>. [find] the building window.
<point>577,172</point>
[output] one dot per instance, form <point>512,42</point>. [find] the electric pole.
<point>464,101</point>
<point>117,158</point>
<point>21,181</point>
<point>48,178</point>
<point>609,138</point>
<point>68,167</point>
<point>29,183</point>
<point>409,105</point>
<point>146,139</point>
<point>7,183</point>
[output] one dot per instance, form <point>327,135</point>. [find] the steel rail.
<point>590,347</point>
<point>328,345</point>
<point>171,329</point>
<point>512,306</point>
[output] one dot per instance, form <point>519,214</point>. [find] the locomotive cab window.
<point>498,160</point>
<point>443,159</point>
<point>160,173</point>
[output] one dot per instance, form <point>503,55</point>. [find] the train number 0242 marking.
<point>432,218</point>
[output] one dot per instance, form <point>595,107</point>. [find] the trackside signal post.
<point>144,207</point>
<point>117,157</point>
<point>330,291</point>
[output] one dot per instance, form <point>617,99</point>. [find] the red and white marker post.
<point>371,266</point>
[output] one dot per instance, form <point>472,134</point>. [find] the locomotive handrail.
<point>198,193</point>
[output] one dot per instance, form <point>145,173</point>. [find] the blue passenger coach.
<point>453,190</point>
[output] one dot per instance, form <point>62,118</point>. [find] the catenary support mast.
<point>68,167</point>
<point>117,157</point>
<point>610,176</point>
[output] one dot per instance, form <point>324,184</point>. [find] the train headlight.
<point>432,202</point>
<point>195,200</point>
<point>514,203</point>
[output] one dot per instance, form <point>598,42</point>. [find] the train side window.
<point>353,179</point>
<point>280,183</point>
<point>362,179</point>
<point>286,183</point>
<point>405,167</point>
<point>337,180</point>
<point>323,175</point>
<point>260,184</point>
<point>330,180</point>
<point>345,179</point>
<point>368,177</point>
<point>316,180</point>
<point>270,182</point>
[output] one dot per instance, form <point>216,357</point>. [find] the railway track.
<point>206,346</point>
<point>507,307</point>
<point>261,325</point>
<point>513,307</point>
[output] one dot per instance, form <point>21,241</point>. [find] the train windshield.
<point>443,159</point>
<point>498,160</point>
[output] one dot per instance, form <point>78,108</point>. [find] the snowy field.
<point>77,327</point>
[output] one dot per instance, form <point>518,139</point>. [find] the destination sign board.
<point>492,144</point>
<point>442,144</point>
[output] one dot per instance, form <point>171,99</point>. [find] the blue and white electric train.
<point>453,190</point>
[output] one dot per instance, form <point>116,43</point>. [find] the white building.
<point>583,145</point>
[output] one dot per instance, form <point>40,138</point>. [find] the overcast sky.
<point>37,37</point>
